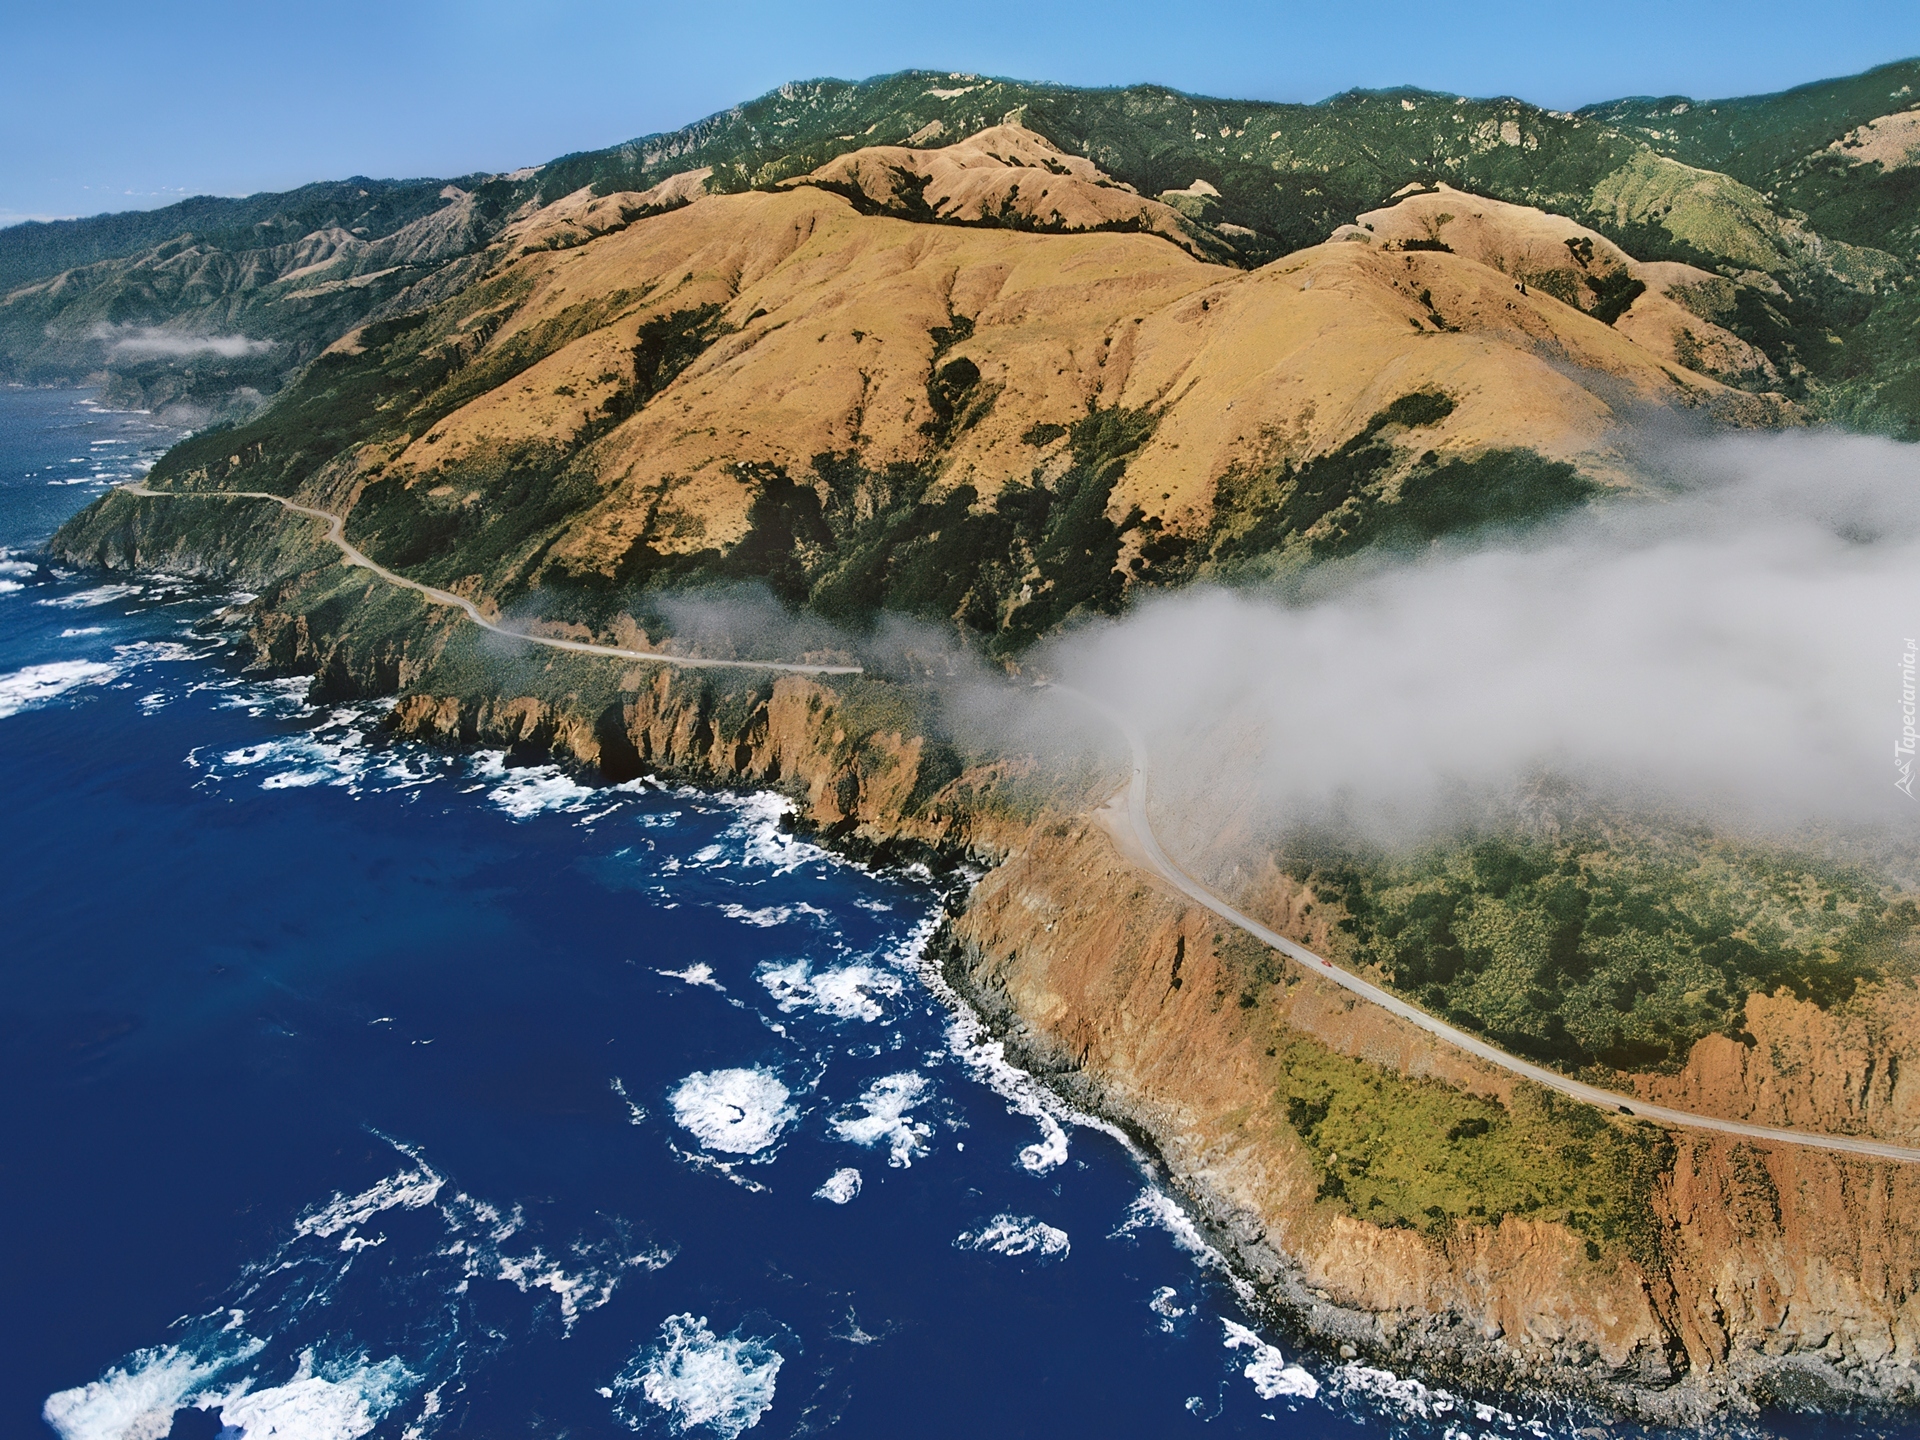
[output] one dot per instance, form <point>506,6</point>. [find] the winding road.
<point>1142,829</point>
<point>337,534</point>
<point>1157,858</point>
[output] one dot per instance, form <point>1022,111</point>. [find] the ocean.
<point>358,1088</point>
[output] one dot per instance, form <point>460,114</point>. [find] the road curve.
<point>1460,1039</point>
<point>1143,831</point>
<point>337,534</point>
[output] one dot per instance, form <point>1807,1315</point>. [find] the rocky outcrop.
<point>1753,1273</point>
<point>876,792</point>
<point>1801,1066</point>
<point>1763,1272</point>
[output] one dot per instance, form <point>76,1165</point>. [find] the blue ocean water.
<point>361,1089</point>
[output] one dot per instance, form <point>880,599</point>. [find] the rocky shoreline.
<point>1776,1278</point>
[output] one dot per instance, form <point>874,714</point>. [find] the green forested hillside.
<point>1822,246</point>
<point>368,208</point>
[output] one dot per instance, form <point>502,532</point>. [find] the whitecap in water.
<point>840,1187</point>
<point>136,1400</point>
<point>585,1287</point>
<point>407,1190</point>
<point>882,1114</point>
<point>1166,1304</point>
<point>87,599</point>
<point>693,1379</point>
<point>765,918</point>
<point>325,1400</point>
<point>532,790</point>
<point>851,992</point>
<point>1016,1235</point>
<point>740,1112</point>
<point>1269,1371</point>
<point>37,684</point>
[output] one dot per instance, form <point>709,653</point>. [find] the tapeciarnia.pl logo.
<point>1903,750</point>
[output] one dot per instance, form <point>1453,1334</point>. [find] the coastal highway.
<point>337,534</point>
<point>1625,1105</point>
<point>1149,846</point>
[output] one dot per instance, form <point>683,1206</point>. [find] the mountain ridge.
<point>1278,175</point>
<point>986,381</point>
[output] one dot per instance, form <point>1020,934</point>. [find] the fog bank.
<point>1733,642</point>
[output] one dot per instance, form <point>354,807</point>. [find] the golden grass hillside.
<point>823,327</point>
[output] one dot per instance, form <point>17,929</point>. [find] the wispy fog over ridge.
<point>146,342</point>
<point>1734,643</point>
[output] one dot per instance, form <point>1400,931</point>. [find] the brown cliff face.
<point>863,788</point>
<point>1835,1070</point>
<point>1662,1275</point>
<point>1758,1272</point>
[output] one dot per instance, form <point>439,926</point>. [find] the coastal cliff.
<point>1396,1201</point>
<point>1662,1274</point>
<point>998,389</point>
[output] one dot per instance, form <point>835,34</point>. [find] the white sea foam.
<point>699,973</point>
<point>696,1380</point>
<point>852,992</point>
<point>17,567</point>
<point>1016,1235</point>
<point>839,1187</point>
<point>587,1286</point>
<point>37,684</point>
<point>766,918</point>
<point>160,652</point>
<point>1156,1210</point>
<point>1269,1371</point>
<point>532,790</point>
<point>408,1190</point>
<point>334,752</point>
<point>740,1112</point>
<point>581,1280</point>
<point>1407,1398</point>
<point>87,599</point>
<point>1166,1304</point>
<point>7,587</point>
<point>764,841</point>
<point>136,1400</point>
<point>75,631</point>
<point>726,1169</point>
<point>635,1115</point>
<point>323,1401</point>
<point>883,1115</point>
<point>986,1059</point>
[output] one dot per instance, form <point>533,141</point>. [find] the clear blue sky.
<point>114,105</point>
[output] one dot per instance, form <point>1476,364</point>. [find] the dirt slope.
<point>827,325</point>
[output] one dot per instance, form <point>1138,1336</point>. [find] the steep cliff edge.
<point>1389,1196</point>
<point>1000,431</point>
<point>1398,1198</point>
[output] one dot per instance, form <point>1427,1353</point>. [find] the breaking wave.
<point>1269,1371</point>
<point>740,1112</point>
<point>35,685</point>
<point>883,1115</point>
<point>693,1379</point>
<point>1016,1235</point>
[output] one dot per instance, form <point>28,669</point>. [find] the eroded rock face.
<point>1774,1271</point>
<point>1832,1070</point>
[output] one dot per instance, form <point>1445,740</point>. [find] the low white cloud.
<point>1732,643</point>
<point>146,342</point>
